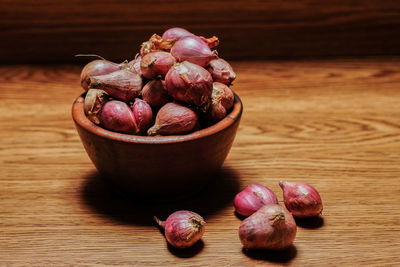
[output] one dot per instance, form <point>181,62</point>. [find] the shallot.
<point>95,68</point>
<point>252,198</point>
<point>194,50</point>
<point>155,93</point>
<point>301,199</point>
<point>142,114</point>
<point>222,99</point>
<point>117,116</point>
<point>189,83</point>
<point>271,227</point>
<point>221,71</point>
<point>156,63</point>
<point>173,118</point>
<point>176,33</point>
<point>122,84</point>
<point>94,101</point>
<point>183,228</point>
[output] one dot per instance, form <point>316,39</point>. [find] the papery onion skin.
<point>271,227</point>
<point>222,99</point>
<point>221,71</point>
<point>155,93</point>
<point>95,68</point>
<point>143,114</point>
<point>156,64</point>
<point>301,199</point>
<point>252,198</point>
<point>176,33</point>
<point>134,65</point>
<point>94,101</point>
<point>183,228</point>
<point>117,116</point>
<point>194,50</point>
<point>189,83</point>
<point>173,118</point>
<point>122,84</point>
<point>156,43</point>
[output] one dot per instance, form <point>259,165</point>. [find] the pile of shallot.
<point>175,85</point>
<point>268,225</point>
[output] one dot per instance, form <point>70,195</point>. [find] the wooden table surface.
<point>332,123</point>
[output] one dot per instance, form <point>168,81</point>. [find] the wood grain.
<point>334,124</point>
<point>47,31</point>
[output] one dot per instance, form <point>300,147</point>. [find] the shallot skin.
<point>301,199</point>
<point>252,198</point>
<point>134,65</point>
<point>117,116</point>
<point>271,227</point>
<point>183,228</point>
<point>94,101</point>
<point>222,99</point>
<point>221,71</point>
<point>95,68</point>
<point>122,84</point>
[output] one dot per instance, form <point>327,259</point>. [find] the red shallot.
<point>252,198</point>
<point>155,93</point>
<point>142,114</point>
<point>222,99</point>
<point>221,71</point>
<point>173,118</point>
<point>117,116</point>
<point>301,199</point>
<point>95,68</point>
<point>122,84</point>
<point>183,228</point>
<point>189,83</point>
<point>271,227</point>
<point>176,33</point>
<point>156,63</point>
<point>193,49</point>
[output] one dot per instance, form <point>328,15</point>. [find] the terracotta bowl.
<point>158,165</point>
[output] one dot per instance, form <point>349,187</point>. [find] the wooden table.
<point>334,124</point>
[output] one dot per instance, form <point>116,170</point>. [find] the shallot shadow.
<point>310,223</point>
<point>187,252</point>
<point>281,256</point>
<point>240,217</point>
<point>110,200</point>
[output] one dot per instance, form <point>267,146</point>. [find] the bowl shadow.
<point>114,202</point>
<point>281,256</point>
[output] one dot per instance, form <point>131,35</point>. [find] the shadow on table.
<point>187,252</point>
<point>310,223</point>
<point>282,256</point>
<point>109,200</point>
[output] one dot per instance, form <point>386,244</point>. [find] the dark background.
<point>45,31</point>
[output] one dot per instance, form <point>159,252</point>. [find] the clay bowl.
<point>158,165</point>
